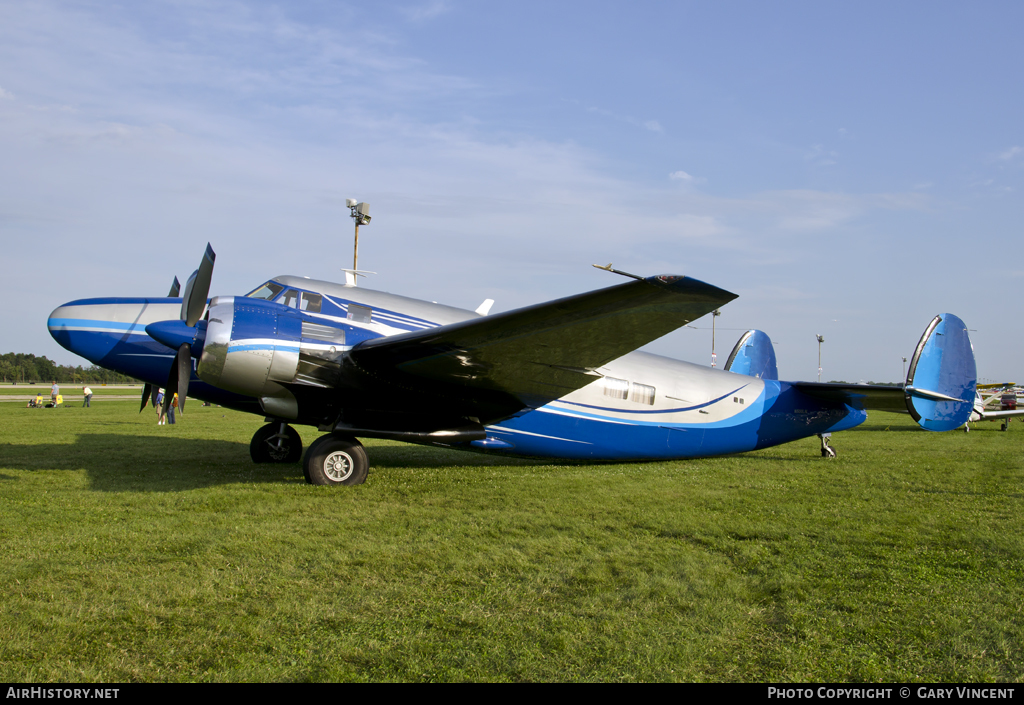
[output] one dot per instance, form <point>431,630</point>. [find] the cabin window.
<point>616,388</point>
<point>311,302</point>
<point>360,314</point>
<point>642,394</point>
<point>267,291</point>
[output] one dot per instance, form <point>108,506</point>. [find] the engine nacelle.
<point>251,347</point>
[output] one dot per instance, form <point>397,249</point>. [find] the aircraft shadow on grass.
<point>122,463</point>
<point>119,463</point>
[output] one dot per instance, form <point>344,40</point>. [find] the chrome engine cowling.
<point>251,347</point>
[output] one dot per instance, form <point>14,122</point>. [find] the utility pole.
<point>714,316</point>
<point>820,341</point>
<point>361,215</point>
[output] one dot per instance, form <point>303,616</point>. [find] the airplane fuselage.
<point>639,406</point>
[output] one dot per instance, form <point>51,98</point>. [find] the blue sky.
<point>848,170</point>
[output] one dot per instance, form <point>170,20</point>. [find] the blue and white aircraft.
<point>561,379</point>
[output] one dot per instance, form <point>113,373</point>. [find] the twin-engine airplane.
<point>556,380</point>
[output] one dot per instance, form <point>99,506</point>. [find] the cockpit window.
<point>311,302</point>
<point>291,298</point>
<point>267,291</point>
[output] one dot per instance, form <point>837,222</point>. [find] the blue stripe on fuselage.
<point>779,415</point>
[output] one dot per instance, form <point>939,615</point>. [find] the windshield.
<point>267,291</point>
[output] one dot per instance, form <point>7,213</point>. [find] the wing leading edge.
<point>536,354</point>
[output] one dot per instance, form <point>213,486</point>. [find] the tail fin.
<point>753,355</point>
<point>941,384</point>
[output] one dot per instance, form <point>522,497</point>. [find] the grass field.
<point>132,552</point>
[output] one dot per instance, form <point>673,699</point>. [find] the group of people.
<point>57,399</point>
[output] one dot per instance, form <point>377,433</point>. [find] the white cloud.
<point>427,10</point>
<point>1011,153</point>
<point>820,156</point>
<point>5,95</point>
<point>649,125</point>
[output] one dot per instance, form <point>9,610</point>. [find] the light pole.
<point>904,372</point>
<point>361,215</point>
<point>820,341</point>
<point>714,315</point>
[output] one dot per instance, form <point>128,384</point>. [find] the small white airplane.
<point>561,379</point>
<point>981,412</point>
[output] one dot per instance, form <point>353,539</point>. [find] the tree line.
<point>26,367</point>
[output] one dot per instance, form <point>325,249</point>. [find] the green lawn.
<point>132,552</point>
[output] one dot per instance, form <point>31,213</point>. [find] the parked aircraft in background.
<point>560,379</point>
<point>1007,410</point>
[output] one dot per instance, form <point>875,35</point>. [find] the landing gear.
<point>967,428</point>
<point>276,443</point>
<point>1005,426</point>
<point>827,451</point>
<point>335,459</point>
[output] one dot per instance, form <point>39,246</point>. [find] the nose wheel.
<point>276,442</point>
<point>827,451</point>
<point>335,459</point>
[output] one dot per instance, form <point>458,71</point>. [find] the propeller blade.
<point>197,289</point>
<point>184,373</point>
<point>146,390</point>
<point>175,288</point>
<point>172,384</point>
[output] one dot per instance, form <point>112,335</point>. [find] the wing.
<point>1001,414</point>
<point>500,364</point>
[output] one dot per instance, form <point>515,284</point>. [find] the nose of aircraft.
<point>59,324</point>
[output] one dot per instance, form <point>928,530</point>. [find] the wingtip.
<point>681,283</point>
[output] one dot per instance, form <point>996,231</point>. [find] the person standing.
<point>170,409</point>
<point>158,403</point>
<point>88,397</point>
<point>54,391</point>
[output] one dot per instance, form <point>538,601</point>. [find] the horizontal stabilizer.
<point>939,392</point>
<point>753,355</point>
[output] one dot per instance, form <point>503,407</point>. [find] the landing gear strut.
<point>827,451</point>
<point>277,442</point>
<point>335,459</point>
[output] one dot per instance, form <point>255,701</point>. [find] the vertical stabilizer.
<point>942,380</point>
<point>754,355</point>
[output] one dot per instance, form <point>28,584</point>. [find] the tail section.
<point>754,355</point>
<point>941,384</point>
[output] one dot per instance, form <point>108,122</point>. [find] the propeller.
<point>181,334</point>
<point>148,389</point>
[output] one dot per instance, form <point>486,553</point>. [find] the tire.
<point>263,446</point>
<point>336,460</point>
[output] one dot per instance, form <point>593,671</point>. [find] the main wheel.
<point>336,460</point>
<point>270,445</point>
